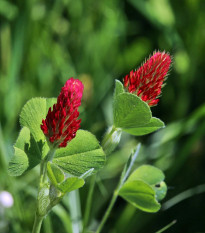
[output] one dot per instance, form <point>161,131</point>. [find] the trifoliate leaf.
<point>152,176</point>
<point>140,195</point>
<point>144,188</point>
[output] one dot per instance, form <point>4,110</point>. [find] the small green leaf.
<point>27,153</point>
<point>55,174</point>
<point>71,184</point>
<point>152,176</point>
<point>150,127</point>
<point>140,195</point>
<point>80,155</point>
<point>118,88</point>
<point>130,111</point>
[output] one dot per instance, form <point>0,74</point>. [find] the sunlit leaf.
<point>81,154</point>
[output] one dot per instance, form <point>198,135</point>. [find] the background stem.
<point>107,213</point>
<point>89,202</point>
<point>125,174</point>
<point>75,211</point>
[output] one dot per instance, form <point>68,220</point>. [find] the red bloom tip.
<point>147,81</point>
<point>61,123</point>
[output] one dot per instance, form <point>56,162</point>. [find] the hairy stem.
<point>37,224</point>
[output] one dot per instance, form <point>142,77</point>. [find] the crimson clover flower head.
<point>147,81</point>
<point>61,123</point>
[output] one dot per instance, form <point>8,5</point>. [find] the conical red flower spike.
<point>147,81</point>
<point>61,123</point>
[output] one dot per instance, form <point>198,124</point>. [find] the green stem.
<point>37,224</point>
<point>43,169</point>
<point>107,213</point>
<point>89,202</point>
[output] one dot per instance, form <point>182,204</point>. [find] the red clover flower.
<point>147,81</point>
<point>61,123</point>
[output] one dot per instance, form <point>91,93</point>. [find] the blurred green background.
<point>43,43</point>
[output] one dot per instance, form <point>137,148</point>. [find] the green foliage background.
<point>43,43</point>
